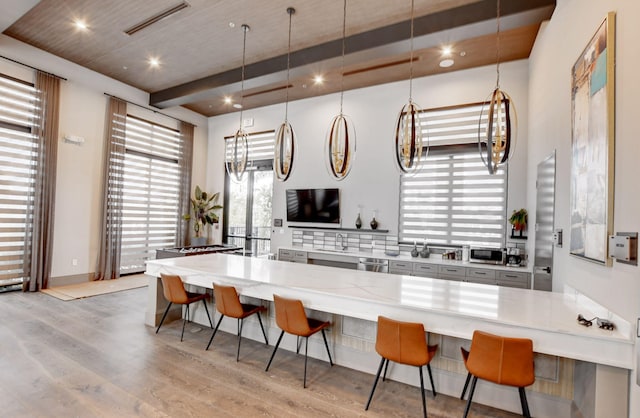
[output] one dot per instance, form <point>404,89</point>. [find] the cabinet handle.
<point>480,273</point>
<point>452,270</point>
<point>511,276</point>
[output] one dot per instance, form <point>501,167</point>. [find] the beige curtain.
<point>39,236</point>
<point>186,162</point>
<point>113,171</point>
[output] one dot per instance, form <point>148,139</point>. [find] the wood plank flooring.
<point>95,357</point>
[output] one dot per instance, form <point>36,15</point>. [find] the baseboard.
<point>72,279</point>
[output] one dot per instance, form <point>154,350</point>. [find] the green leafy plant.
<point>519,219</point>
<point>204,207</point>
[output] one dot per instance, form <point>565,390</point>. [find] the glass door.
<point>247,210</point>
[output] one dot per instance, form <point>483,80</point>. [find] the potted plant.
<point>204,207</point>
<point>518,220</point>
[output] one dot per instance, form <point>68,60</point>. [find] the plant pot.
<point>198,241</point>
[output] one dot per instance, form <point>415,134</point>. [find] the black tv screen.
<point>313,205</point>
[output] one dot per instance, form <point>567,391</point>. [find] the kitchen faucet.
<point>341,237</point>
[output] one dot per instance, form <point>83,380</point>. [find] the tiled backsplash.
<point>354,241</point>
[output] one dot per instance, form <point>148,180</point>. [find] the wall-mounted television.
<point>313,205</point>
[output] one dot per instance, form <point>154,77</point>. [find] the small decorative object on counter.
<point>414,251</point>
<point>374,223</point>
<point>518,221</point>
<point>424,253</point>
<point>358,222</point>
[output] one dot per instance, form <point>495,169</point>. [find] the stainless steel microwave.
<point>486,255</point>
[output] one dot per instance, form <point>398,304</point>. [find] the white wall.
<point>556,49</point>
<point>374,180</point>
<point>79,174</point>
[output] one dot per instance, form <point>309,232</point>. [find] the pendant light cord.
<point>498,44</point>
<point>245,29</point>
<point>291,11</point>
<point>344,34</point>
<point>411,58</point>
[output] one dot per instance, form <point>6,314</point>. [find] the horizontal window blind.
<point>151,190</point>
<point>18,153</point>
<point>260,145</point>
<point>452,199</point>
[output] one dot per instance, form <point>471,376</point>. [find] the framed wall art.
<point>592,145</point>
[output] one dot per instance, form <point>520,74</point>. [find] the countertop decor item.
<point>358,222</point>
<point>205,207</point>
<point>518,220</point>
<point>424,253</point>
<point>408,135</point>
<point>495,141</point>
<point>340,146</point>
<point>414,251</point>
<point>374,223</point>
<point>285,146</point>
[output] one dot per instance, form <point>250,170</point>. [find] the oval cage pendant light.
<point>408,135</point>
<point>237,151</point>
<point>340,144</point>
<point>285,137</point>
<point>497,141</point>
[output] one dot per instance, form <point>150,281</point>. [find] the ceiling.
<point>200,46</point>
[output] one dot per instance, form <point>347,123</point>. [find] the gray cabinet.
<point>425,270</point>
<point>294,256</point>
<point>448,272</point>
<point>520,279</point>
<point>400,267</point>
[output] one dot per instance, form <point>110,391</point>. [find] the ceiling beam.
<point>516,13</point>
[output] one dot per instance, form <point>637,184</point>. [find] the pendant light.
<point>408,136</point>
<point>238,147</point>
<point>285,138</point>
<point>499,136</point>
<point>340,144</point>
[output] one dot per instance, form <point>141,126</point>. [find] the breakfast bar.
<point>450,312</point>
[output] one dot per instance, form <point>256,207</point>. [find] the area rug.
<point>100,287</point>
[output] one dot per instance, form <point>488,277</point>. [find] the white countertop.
<point>444,307</point>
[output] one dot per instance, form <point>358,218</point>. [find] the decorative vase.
<point>414,251</point>
<point>424,253</point>
<point>374,223</point>
<point>358,222</point>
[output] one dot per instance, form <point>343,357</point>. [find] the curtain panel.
<point>186,162</point>
<point>39,235</point>
<point>108,266</point>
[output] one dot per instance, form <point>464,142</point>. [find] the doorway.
<point>247,209</point>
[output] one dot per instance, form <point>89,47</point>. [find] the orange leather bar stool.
<point>404,343</point>
<point>228,304</point>
<point>174,292</point>
<point>291,318</point>
<point>501,360</point>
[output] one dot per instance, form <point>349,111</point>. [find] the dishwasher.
<point>379,265</point>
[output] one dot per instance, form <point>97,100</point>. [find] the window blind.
<point>453,200</point>
<point>260,146</point>
<point>18,152</point>
<point>150,192</point>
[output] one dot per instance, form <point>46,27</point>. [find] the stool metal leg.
<point>424,401</point>
<point>324,337</point>
<point>266,341</point>
<point>166,311</point>
<point>466,384</point>
<point>184,322</point>
<point>274,351</point>
<point>214,331</point>
<point>523,402</point>
<point>386,365</point>
<point>473,388</point>
<point>433,387</point>
<point>207,311</point>
<point>375,383</point>
<point>306,346</point>
<point>239,339</point>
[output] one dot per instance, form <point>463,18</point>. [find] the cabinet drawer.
<point>300,256</point>
<point>519,279</point>
<point>427,269</point>
<point>285,255</point>
<point>403,266</point>
<point>451,271</point>
<point>475,273</point>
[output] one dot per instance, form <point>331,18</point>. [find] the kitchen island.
<point>450,312</point>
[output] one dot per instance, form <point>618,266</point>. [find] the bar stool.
<point>291,318</point>
<point>228,304</point>
<point>501,360</point>
<point>404,343</point>
<point>174,292</point>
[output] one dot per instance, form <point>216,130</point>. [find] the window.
<point>453,200</point>
<point>150,192</point>
<point>247,207</point>
<point>18,152</point>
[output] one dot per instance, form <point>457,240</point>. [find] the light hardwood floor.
<point>95,357</point>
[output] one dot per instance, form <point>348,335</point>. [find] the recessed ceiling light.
<point>463,53</point>
<point>81,24</point>
<point>237,105</point>
<point>446,51</point>
<point>232,25</point>
<point>154,62</point>
<point>124,67</point>
<point>318,79</point>
<point>446,63</point>
<point>227,100</point>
